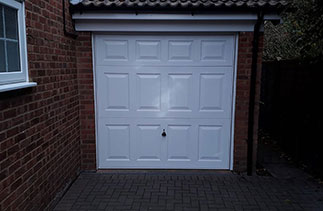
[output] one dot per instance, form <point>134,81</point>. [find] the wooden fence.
<point>291,110</point>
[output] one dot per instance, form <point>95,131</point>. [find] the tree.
<point>300,36</point>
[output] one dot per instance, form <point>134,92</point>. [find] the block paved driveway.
<point>185,190</point>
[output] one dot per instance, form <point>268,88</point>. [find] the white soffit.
<point>148,22</point>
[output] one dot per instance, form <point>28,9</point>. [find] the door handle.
<point>163,133</point>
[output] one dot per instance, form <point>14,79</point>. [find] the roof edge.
<point>173,5</point>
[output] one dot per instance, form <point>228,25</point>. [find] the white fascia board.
<point>163,26</point>
<point>158,22</point>
<point>187,17</point>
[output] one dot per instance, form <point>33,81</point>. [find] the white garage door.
<point>164,101</point>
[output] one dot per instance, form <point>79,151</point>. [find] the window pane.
<point>11,23</point>
<point>2,57</point>
<point>13,56</point>
<point>1,22</point>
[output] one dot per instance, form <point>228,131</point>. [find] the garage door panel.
<point>148,92</point>
<point>114,145</point>
<point>211,92</point>
<point>148,50</point>
<point>180,51</point>
<point>214,143</point>
<point>199,92</point>
<point>115,50</point>
<point>216,50</point>
<point>165,50</point>
<point>148,142</point>
<point>180,89</point>
<point>179,142</point>
<point>118,146</point>
<point>137,143</point>
<point>209,142</point>
<point>110,100</point>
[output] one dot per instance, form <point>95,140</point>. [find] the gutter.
<point>252,94</point>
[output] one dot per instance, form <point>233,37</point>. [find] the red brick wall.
<point>241,112</point>
<point>39,127</point>
<point>242,99</point>
<point>86,90</point>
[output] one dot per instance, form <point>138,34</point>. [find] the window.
<point>13,55</point>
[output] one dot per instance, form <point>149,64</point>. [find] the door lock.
<point>163,133</point>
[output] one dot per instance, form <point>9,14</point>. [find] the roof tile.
<point>182,3</point>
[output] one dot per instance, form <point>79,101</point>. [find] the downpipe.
<point>66,33</point>
<point>252,94</point>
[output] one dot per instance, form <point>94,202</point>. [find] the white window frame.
<point>15,80</point>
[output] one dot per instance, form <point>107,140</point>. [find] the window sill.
<point>10,87</point>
